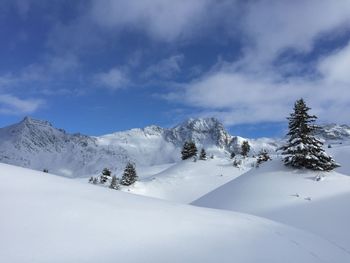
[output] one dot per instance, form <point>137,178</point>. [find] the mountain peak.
<point>202,131</point>
<point>27,120</point>
<point>200,123</point>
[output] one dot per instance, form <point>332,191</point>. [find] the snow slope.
<point>46,218</point>
<point>292,197</point>
<point>186,181</point>
<point>341,153</point>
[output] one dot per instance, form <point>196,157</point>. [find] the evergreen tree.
<point>95,181</point>
<point>232,155</point>
<point>263,157</point>
<point>245,148</point>
<point>106,175</point>
<point>45,170</point>
<point>91,179</point>
<point>188,150</point>
<point>203,155</point>
<point>114,183</point>
<point>303,150</point>
<point>129,176</point>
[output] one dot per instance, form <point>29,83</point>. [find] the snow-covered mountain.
<point>332,132</point>
<point>38,145</point>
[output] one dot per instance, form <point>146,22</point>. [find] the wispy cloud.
<point>113,79</point>
<point>253,89</point>
<point>10,104</point>
<point>165,68</point>
<point>162,20</point>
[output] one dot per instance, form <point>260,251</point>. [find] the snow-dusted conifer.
<point>188,150</point>
<point>245,148</point>
<point>203,155</point>
<point>263,157</point>
<point>232,155</point>
<point>303,150</point>
<point>114,183</point>
<point>129,176</point>
<point>95,181</point>
<point>106,175</point>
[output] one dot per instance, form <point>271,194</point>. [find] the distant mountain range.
<point>38,145</point>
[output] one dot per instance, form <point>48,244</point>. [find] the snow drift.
<point>46,218</point>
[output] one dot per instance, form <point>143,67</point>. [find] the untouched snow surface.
<point>186,181</point>
<point>292,197</point>
<point>341,153</point>
<point>46,218</point>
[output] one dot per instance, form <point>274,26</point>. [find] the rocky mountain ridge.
<point>38,145</point>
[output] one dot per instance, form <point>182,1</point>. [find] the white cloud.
<point>252,89</point>
<point>10,104</point>
<point>241,98</point>
<point>335,67</point>
<point>272,26</point>
<point>113,79</point>
<point>162,19</point>
<point>166,68</point>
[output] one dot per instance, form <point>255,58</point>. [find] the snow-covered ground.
<point>46,218</point>
<point>290,196</point>
<point>341,153</point>
<point>186,181</point>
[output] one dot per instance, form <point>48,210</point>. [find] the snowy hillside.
<point>292,197</point>
<point>38,145</point>
<point>341,153</point>
<point>186,181</point>
<point>334,132</point>
<point>46,218</point>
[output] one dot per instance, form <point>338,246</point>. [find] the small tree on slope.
<point>263,157</point>
<point>245,148</point>
<point>188,150</point>
<point>303,150</point>
<point>203,155</point>
<point>114,183</point>
<point>106,175</point>
<point>129,176</point>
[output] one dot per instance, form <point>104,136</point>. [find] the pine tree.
<point>91,179</point>
<point>106,175</point>
<point>203,155</point>
<point>245,148</point>
<point>263,157</point>
<point>114,183</point>
<point>188,150</point>
<point>129,176</point>
<point>232,155</point>
<point>303,150</point>
<point>95,181</point>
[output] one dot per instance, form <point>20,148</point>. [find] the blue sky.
<point>99,66</point>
